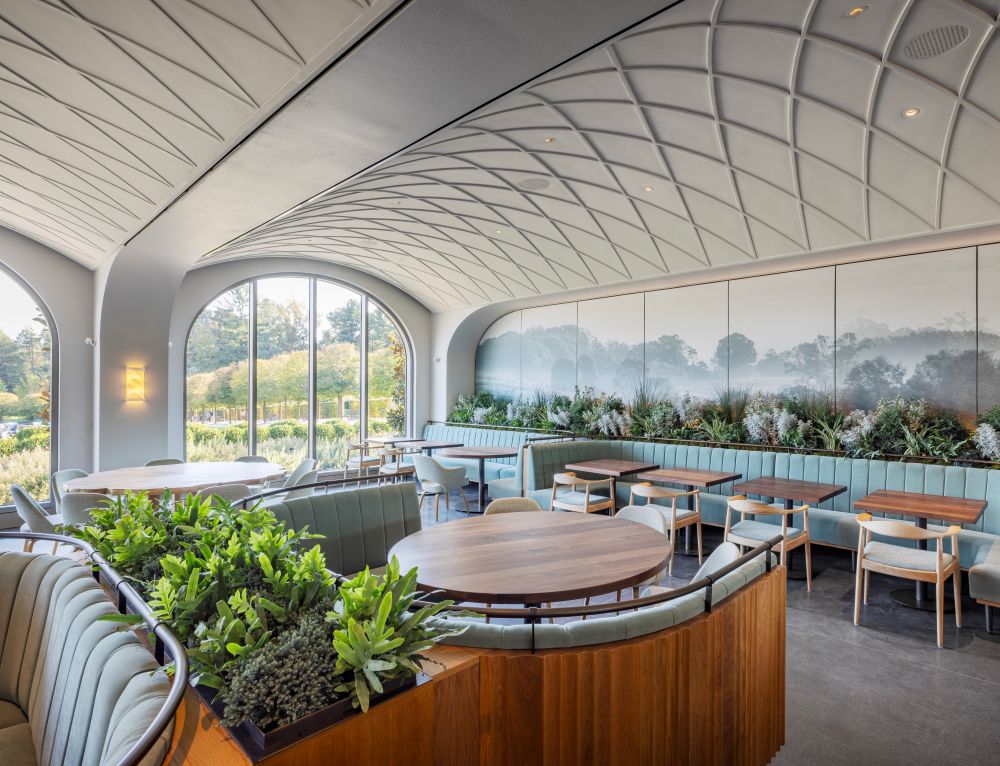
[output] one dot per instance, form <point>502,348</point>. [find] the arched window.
<point>317,365</point>
<point>25,392</point>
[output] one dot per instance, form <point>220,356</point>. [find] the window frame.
<point>365,300</point>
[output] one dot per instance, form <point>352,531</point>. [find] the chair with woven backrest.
<point>231,493</point>
<point>33,515</point>
<point>436,480</point>
<point>677,518</point>
<point>163,461</point>
<point>587,501</point>
<point>76,506</point>
<point>751,533</point>
<point>912,563</point>
<point>58,481</point>
<point>512,505</point>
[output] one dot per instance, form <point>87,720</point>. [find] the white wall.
<point>67,291</point>
<point>202,285</point>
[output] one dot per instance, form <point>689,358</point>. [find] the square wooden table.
<point>957,510</point>
<point>613,469</point>
<point>790,490</point>
<point>689,478</point>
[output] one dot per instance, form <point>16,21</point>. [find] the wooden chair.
<point>391,465</point>
<point>678,518</point>
<point>750,533</point>
<point>912,563</point>
<point>580,502</point>
<point>360,459</point>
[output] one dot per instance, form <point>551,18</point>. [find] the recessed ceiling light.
<point>647,188</point>
<point>550,140</point>
<point>856,11</point>
<point>911,112</point>
<point>499,231</point>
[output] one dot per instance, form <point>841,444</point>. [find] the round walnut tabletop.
<point>532,557</point>
<point>180,478</point>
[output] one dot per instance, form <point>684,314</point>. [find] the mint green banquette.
<point>473,436</point>
<point>831,523</point>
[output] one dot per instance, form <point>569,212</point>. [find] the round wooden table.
<point>532,557</point>
<point>482,454</point>
<point>180,478</point>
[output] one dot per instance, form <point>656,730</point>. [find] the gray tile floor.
<point>879,694</point>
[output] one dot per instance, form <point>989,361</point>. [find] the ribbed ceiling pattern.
<point>109,107</point>
<point>718,132</point>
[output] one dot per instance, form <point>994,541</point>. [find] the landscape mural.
<point>855,334</point>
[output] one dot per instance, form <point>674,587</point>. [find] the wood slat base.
<point>711,691</point>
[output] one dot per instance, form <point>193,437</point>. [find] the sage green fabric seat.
<point>360,525</point>
<point>760,530</point>
<point>901,556</point>
<point>984,576</point>
<point>74,691</point>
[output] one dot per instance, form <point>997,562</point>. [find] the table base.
<point>908,597</point>
<point>687,550</point>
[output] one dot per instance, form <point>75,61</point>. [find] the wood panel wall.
<point>711,691</point>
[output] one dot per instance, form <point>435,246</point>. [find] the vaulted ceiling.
<point>110,108</point>
<point>720,131</point>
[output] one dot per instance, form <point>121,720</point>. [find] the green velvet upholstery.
<point>73,690</point>
<point>360,526</point>
<point>830,522</point>
<point>604,629</point>
<point>473,436</point>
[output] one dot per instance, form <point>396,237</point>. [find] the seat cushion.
<point>504,488</point>
<point>580,498</point>
<point>16,746</point>
<point>759,530</point>
<point>904,558</point>
<point>984,582</point>
<point>10,714</point>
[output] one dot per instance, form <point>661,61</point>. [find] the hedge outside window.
<point>290,350</point>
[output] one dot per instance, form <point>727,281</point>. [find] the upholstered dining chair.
<point>305,465</point>
<point>436,480</point>
<point>587,501</point>
<point>934,566</point>
<point>33,515</point>
<point>58,481</point>
<point>251,459</point>
<point>300,488</point>
<point>653,518</point>
<point>391,465</point>
<point>231,493</point>
<point>677,518</point>
<point>164,461</point>
<point>511,505</point>
<point>724,553</point>
<point>76,506</point>
<point>750,532</point>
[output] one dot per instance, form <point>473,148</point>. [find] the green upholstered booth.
<point>73,690</point>
<point>359,526</point>
<point>831,522</point>
<point>476,436</point>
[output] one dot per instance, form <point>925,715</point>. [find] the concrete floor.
<point>879,694</point>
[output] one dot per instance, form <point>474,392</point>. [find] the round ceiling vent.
<point>936,41</point>
<point>534,183</point>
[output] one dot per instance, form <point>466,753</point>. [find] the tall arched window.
<point>291,367</point>
<point>25,392</point>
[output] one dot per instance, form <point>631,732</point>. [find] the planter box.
<point>258,744</point>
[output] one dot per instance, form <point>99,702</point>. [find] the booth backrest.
<point>88,688</point>
<point>474,436</point>
<point>359,526</point>
<point>859,476</point>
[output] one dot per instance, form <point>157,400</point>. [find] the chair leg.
<point>447,496</point>
<point>488,605</point>
<point>437,501</point>
<point>989,618</point>
<point>420,502</point>
<point>868,578</point>
<point>586,602</point>
<point>809,568</point>
<point>673,545</point>
<point>548,605</point>
<point>858,579</point>
<point>465,500</point>
<point>957,577</point>
<point>29,544</point>
<point>55,548</point>
<point>939,598</point>
<point>700,562</point>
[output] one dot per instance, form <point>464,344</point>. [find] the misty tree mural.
<point>907,327</point>
<point>903,326</point>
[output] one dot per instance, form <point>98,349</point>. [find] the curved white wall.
<point>202,285</point>
<point>67,291</point>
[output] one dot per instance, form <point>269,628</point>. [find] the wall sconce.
<point>135,384</point>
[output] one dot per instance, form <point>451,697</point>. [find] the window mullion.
<point>363,408</point>
<point>252,372</point>
<point>312,408</point>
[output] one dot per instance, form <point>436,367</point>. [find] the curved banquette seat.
<point>74,690</point>
<point>616,627</point>
<point>359,526</point>
<point>473,436</point>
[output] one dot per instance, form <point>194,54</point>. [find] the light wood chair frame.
<point>365,462</point>
<point>651,492</point>
<point>868,526</point>
<point>743,506</point>
<point>570,479</point>
<point>391,464</point>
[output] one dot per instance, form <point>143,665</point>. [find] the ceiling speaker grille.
<point>533,183</point>
<point>936,41</point>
